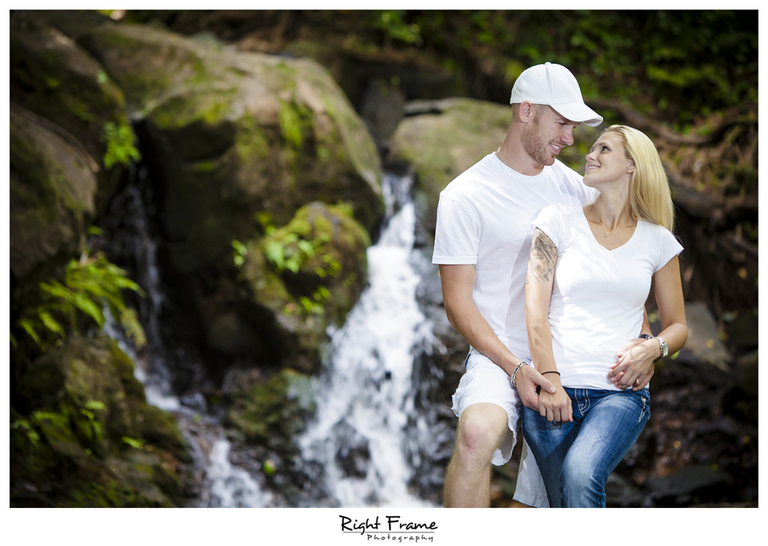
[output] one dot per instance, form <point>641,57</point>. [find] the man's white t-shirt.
<point>598,295</point>
<point>484,217</point>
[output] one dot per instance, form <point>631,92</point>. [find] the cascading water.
<point>365,396</point>
<point>224,485</point>
<point>367,436</point>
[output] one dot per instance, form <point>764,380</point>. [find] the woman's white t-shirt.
<point>599,294</point>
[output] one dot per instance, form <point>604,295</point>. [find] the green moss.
<point>290,124</point>
<point>251,141</point>
<point>201,106</point>
<point>272,410</point>
<point>158,428</point>
<point>38,195</point>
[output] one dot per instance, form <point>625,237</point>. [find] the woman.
<point>589,274</point>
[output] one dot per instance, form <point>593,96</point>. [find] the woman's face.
<point>607,161</point>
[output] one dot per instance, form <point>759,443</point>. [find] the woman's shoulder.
<point>659,233</point>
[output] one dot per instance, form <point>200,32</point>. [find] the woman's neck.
<point>612,212</point>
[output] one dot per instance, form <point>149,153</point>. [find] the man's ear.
<point>525,111</point>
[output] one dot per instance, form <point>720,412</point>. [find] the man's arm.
<point>458,282</point>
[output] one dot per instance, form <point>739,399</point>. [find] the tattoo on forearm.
<point>541,265</point>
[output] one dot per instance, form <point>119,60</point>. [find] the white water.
<point>232,487</point>
<point>366,390</point>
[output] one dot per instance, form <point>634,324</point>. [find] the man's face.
<point>547,134</point>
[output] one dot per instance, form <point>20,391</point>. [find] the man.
<point>482,241</point>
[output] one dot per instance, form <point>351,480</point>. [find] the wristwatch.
<point>663,348</point>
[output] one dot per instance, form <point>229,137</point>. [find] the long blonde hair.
<point>649,195</point>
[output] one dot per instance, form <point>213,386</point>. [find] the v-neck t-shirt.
<point>598,295</point>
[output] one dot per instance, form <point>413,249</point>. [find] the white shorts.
<point>484,382</point>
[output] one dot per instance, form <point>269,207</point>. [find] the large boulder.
<point>82,433</point>
<point>52,190</point>
<point>58,84</point>
<point>235,134</point>
<point>308,274</point>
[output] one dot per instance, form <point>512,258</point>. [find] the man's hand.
<point>634,366</point>
<point>526,381</point>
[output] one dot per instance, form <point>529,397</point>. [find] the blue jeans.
<point>576,458</point>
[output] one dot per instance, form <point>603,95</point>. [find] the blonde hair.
<point>649,195</point>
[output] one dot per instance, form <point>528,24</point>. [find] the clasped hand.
<point>634,366</point>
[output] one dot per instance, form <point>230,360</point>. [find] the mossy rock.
<point>57,81</point>
<point>79,437</point>
<point>272,413</point>
<point>159,429</point>
<point>308,274</point>
<point>234,134</point>
<point>52,199</point>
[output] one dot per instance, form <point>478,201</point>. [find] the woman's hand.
<point>556,407</point>
<point>634,366</point>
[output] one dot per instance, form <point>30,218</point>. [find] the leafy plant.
<point>92,288</point>
<point>120,145</point>
<point>92,427</point>
<point>24,425</point>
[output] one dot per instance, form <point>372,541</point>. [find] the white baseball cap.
<point>554,85</point>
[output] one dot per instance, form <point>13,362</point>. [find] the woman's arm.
<point>668,292</point>
<point>538,294</point>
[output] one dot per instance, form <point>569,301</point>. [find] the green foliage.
<point>91,287</point>
<point>675,64</point>
<point>120,145</point>
<point>91,426</point>
<point>133,442</point>
<point>25,426</point>
<point>239,252</point>
<point>390,23</point>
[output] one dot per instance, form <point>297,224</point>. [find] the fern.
<point>92,286</point>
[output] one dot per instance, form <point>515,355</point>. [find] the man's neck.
<point>513,155</point>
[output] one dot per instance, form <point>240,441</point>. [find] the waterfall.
<point>365,394</point>
<point>368,435</point>
<point>225,485</point>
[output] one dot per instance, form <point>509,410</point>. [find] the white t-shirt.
<point>483,218</point>
<point>598,295</point>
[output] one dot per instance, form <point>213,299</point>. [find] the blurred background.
<point>221,225</point>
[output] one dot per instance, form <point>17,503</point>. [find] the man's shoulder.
<point>476,174</point>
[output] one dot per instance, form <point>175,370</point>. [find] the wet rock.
<point>620,492</point>
<point>693,484</point>
<point>353,457</point>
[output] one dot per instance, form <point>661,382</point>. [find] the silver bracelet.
<point>514,373</point>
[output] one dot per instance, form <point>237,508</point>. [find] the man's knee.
<point>481,429</point>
